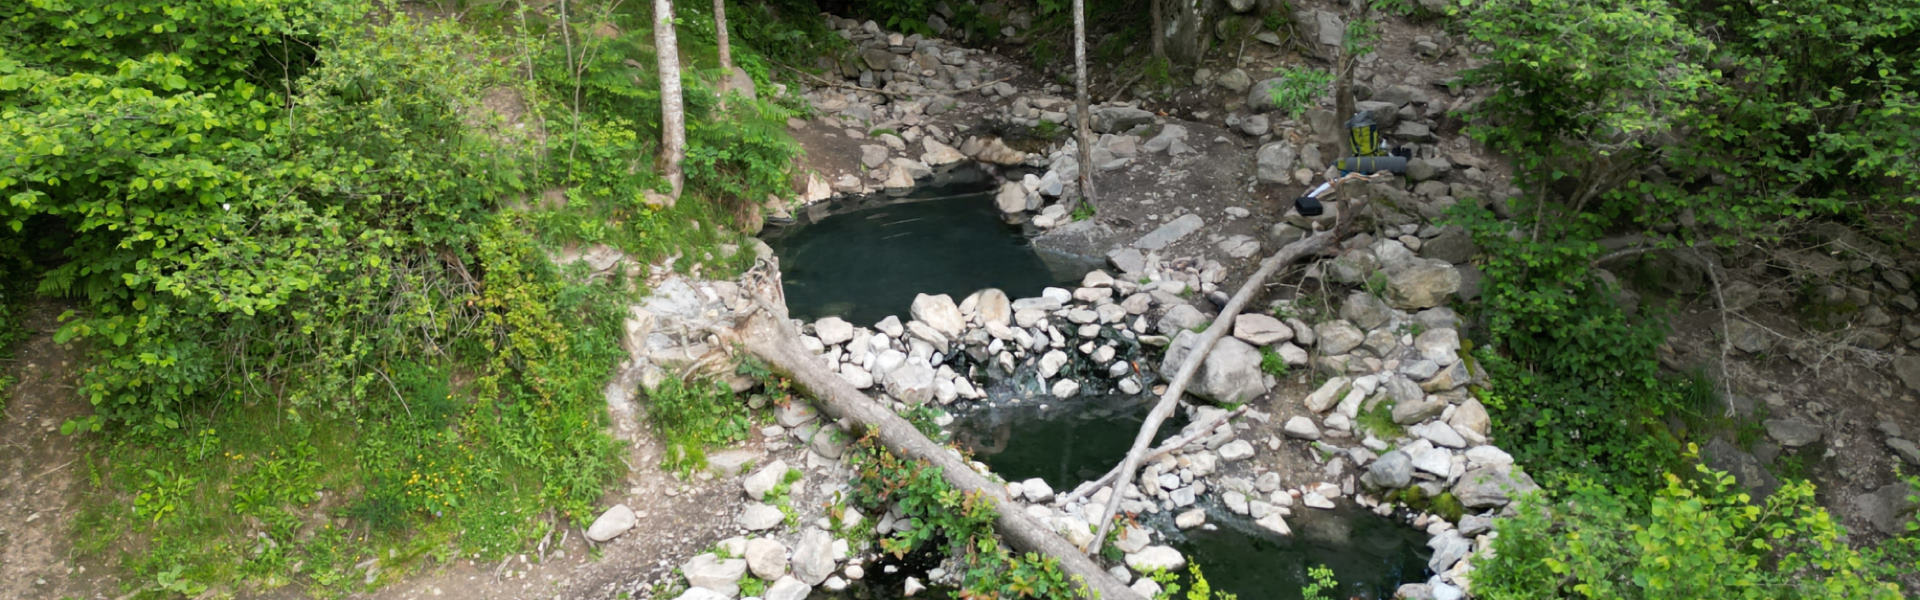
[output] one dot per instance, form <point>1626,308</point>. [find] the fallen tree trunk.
<point>1171,398</point>
<point>773,340</point>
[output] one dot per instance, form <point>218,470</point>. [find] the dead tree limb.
<point>1163,449</point>
<point>1286,255</point>
<point>772,340</point>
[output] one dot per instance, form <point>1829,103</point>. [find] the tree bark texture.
<point>1081,111</point>
<point>726,49</point>
<point>673,114</point>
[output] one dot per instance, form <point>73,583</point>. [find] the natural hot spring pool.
<point>1370,555</point>
<point>1064,442</point>
<point>863,258</point>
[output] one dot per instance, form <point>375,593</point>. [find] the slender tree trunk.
<point>673,114</point>
<point>1081,111</point>
<point>726,50</point>
<point>1159,30</point>
<point>768,337</point>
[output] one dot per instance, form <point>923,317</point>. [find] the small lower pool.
<point>1064,442</point>
<point>1370,555</point>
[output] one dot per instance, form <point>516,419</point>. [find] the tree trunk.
<point>1131,464</point>
<point>1081,111</point>
<point>1159,33</point>
<point>673,114</point>
<point>1191,30</point>
<point>770,338</point>
<point>726,50</point>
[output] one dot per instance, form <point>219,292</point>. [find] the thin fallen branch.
<point>1286,255</point>
<point>1165,448</point>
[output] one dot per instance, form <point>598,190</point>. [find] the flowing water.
<point>863,258</point>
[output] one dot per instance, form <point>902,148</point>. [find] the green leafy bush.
<point>962,522</point>
<point>1696,538</point>
<point>1299,88</point>
<point>694,416</point>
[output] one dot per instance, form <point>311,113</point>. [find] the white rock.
<point>939,312</point>
<point>763,480</point>
<point>1065,388</point>
<point>767,558</point>
<point>833,330</point>
<point>1037,490</point>
<point>610,524</point>
<point>1301,428</point>
<point>1156,558</point>
<point>1236,450</point>
<point>1191,519</point>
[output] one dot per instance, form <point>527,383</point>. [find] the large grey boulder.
<point>1491,486</point>
<point>1792,432</point>
<point>1276,161</point>
<point>1425,284</point>
<point>1907,368</point>
<point>1746,469</point>
<point>1338,337</point>
<point>766,558</point>
<point>813,556</point>
<point>1392,471</point>
<point>1229,374</point>
<point>1365,311</point>
<point>1887,509</point>
<point>912,383</point>
<point>1181,317</point>
<point>714,573</point>
<point>940,312</point>
<point>1118,119</point>
<point>1169,233</point>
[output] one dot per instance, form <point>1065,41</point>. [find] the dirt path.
<point>41,478</point>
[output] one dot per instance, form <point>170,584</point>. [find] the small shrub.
<point>692,417</point>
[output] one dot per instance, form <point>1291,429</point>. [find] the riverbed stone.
<point>759,517</point>
<point>765,479</point>
<point>1065,388</point>
<point>1491,487</point>
<point>1328,394</point>
<point>912,383</point>
<point>993,306</point>
<point>1275,162</point>
<point>1438,433</point>
<point>1190,519</point>
<point>1155,558</point>
<point>1792,432</point>
<point>700,593</point>
<point>813,557</point>
<point>1338,337</point>
<point>767,558</point>
<point>1425,284</point>
<point>939,312</point>
<point>1229,374</point>
<point>1301,428</point>
<point>1180,318</point>
<point>1169,233</point>
<point>1428,459</point>
<point>1392,471</point>
<point>1907,369</point>
<point>1260,330</point>
<point>1011,198</point>
<point>1236,450</point>
<point>1440,345</point>
<point>1365,311</point>
<point>788,588</point>
<point>833,330</point>
<point>938,154</point>
<point>610,524</point>
<point>715,573</point>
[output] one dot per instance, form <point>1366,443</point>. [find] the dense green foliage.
<point>961,523</point>
<point>1681,124</point>
<point>1693,539</point>
<point>307,249</point>
<point>1731,119</point>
